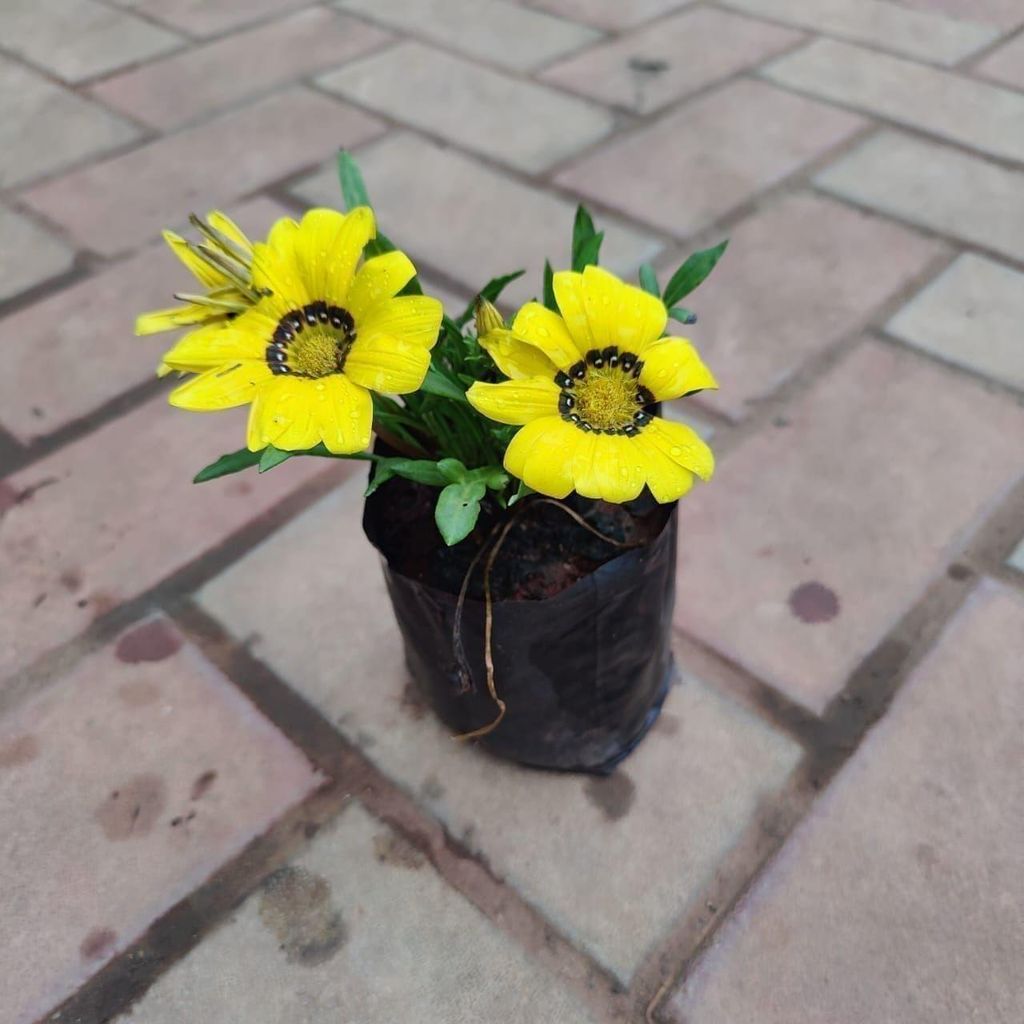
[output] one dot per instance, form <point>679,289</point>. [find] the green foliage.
<point>649,280</point>
<point>227,464</point>
<point>490,291</point>
<point>692,273</point>
<point>586,240</point>
<point>683,315</point>
<point>549,287</point>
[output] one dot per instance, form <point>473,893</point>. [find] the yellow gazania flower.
<point>581,384</point>
<point>323,333</point>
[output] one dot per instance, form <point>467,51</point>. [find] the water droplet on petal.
<point>676,450</point>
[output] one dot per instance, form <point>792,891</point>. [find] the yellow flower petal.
<point>223,387</point>
<point>621,314</point>
<point>568,288</point>
<point>541,455</point>
<point>515,357</point>
<point>295,414</point>
<point>276,275</point>
<point>327,250</point>
<point>382,277</point>
<point>213,346</point>
<point>538,326</point>
<point>610,469</point>
<point>412,318</point>
<point>208,276</point>
<point>188,315</point>
<point>667,480</point>
<point>672,367</point>
<point>226,226</point>
<point>516,401</point>
<point>682,444</point>
<point>387,364</point>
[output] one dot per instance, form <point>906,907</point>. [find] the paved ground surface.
<point>220,800</point>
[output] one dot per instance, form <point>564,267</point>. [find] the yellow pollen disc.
<point>315,352</point>
<point>606,398</point>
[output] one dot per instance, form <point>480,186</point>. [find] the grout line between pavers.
<point>970,62</point>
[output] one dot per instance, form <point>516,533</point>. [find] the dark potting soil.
<point>545,550</point>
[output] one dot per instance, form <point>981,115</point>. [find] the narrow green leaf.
<point>273,457</point>
<point>523,491</point>
<point>583,231</point>
<point>436,383</point>
<point>683,315</point>
<point>692,273</point>
<point>588,252</point>
<point>234,462</point>
<point>422,471</point>
<point>549,287</point>
<point>649,280</point>
<point>353,188</point>
<point>457,510</point>
<point>490,291</point>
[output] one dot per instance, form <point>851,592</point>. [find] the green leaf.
<point>549,287</point>
<point>523,491</point>
<point>353,188</point>
<point>490,291</point>
<point>458,508</point>
<point>692,273</point>
<point>452,470</point>
<point>588,252</point>
<point>234,462</point>
<point>495,479</point>
<point>583,231</point>
<point>683,315</point>
<point>436,383</point>
<point>649,280</point>
<point>272,457</point>
<point>422,471</point>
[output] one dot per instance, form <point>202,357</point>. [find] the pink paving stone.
<point>111,515</point>
<point>171,92</point>
<point>797,277</point>
<point>90,327</point>
<point>695,164</point>
<point>819,532</point>
<point>611,14</point>
<point>1005,64</point>
<point>120,202</point>
<point>122,788</point>
<point>686,50</point>
<point>1005,14</point>
<point>899,899</point>
<point>210,17</point>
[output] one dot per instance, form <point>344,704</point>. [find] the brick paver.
<point>29,255</point>
<point>459,208</point>
<point>772,851</point>
<point>891,26</point>
<point>206,79</point>
<point>847,927</point>
<point>799,581</point>
<point>78,39</point>
<point>985,117</point>
<point>353,928</point>
<point>654,66</point>
<point>499,30</point>
<point>970,315</point>
<point>522,124</point>
<point>153,770</point>
<point>935,186</point>
<point>745,137</point>
<point>809,273</point>
<point>660,824</point>
<point>45,128</point>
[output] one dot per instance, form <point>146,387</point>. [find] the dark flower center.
<point>602,394</point>
<point>312,342</point>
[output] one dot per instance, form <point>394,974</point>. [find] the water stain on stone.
<point>412,701</point>
<point>98,943</point>
<point>667,724</point>
<point>203,784</point>
<point>613,794</point>
<point>295,906</point>
<point>432,788</point>
<point>131,811</point>
<point>139,693</point>
<point>71,580</point>
<point>152,641</point>
<point>21,750</point>
<point>397,851</point>
<point>959,572</point>
<point>813,602</point>
<point>926,856</point>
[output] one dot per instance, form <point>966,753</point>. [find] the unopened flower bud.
<point>487,318</point>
